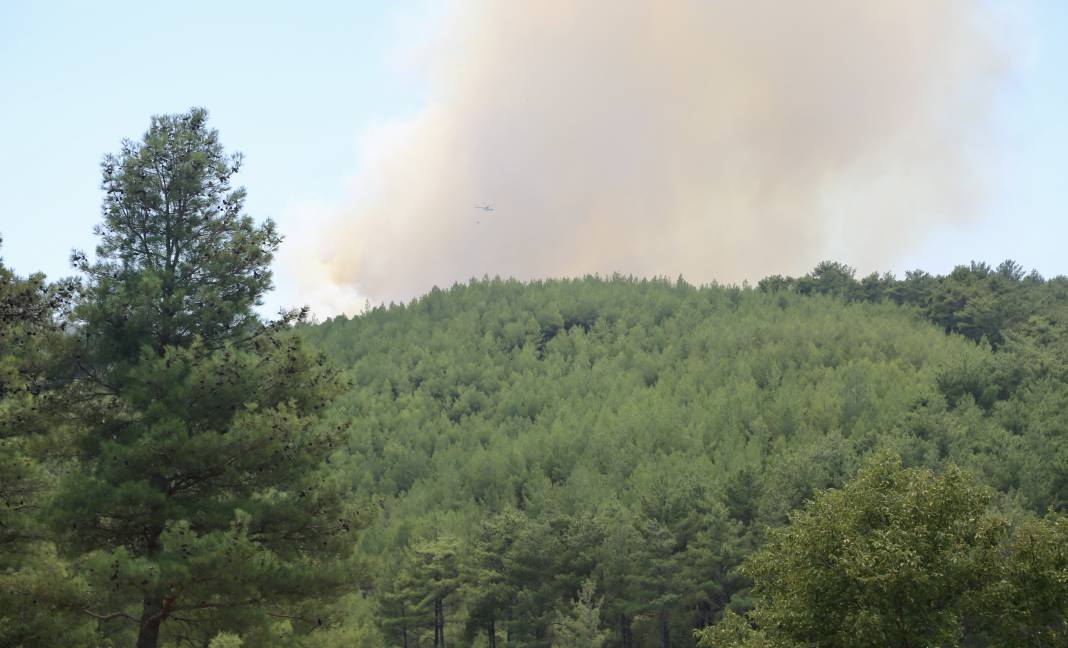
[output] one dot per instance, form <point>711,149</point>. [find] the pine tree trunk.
<point>665,630</point>
<point>404,625</point>
<point>492,630</point>
<point>625,635</point>
<point>441,620</point>
<point>151,618</point>
<point>152,606</point>
<point>437,630</point>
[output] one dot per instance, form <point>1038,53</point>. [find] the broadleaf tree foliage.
<point>904,557</point>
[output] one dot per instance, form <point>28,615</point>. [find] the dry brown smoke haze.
<point>719,140</point>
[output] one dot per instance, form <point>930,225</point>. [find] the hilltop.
<point>516,439</point>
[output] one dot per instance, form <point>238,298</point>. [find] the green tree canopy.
<point>39,595</point>
<point>580,625</point>
<point>903,557</point>
<point>201,499</point>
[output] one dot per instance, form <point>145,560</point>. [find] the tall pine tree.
<point>201,502</point>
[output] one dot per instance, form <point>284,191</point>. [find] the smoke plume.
<point>717,139</point>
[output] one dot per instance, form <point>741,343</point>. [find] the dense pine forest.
<point>520,440</point>
<point>821,460</point>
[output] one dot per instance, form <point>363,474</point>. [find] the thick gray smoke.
<point>716,139</point>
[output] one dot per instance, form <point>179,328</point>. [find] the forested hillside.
<point>640,436</point>
<point>817,461</point>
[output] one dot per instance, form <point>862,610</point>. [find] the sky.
<point>358,120</point>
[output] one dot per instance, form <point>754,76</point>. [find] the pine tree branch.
<point>108,616</point>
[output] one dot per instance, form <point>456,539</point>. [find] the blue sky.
<point>295,85</point>
<point>288,85</point>
<point>1027,219</point>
